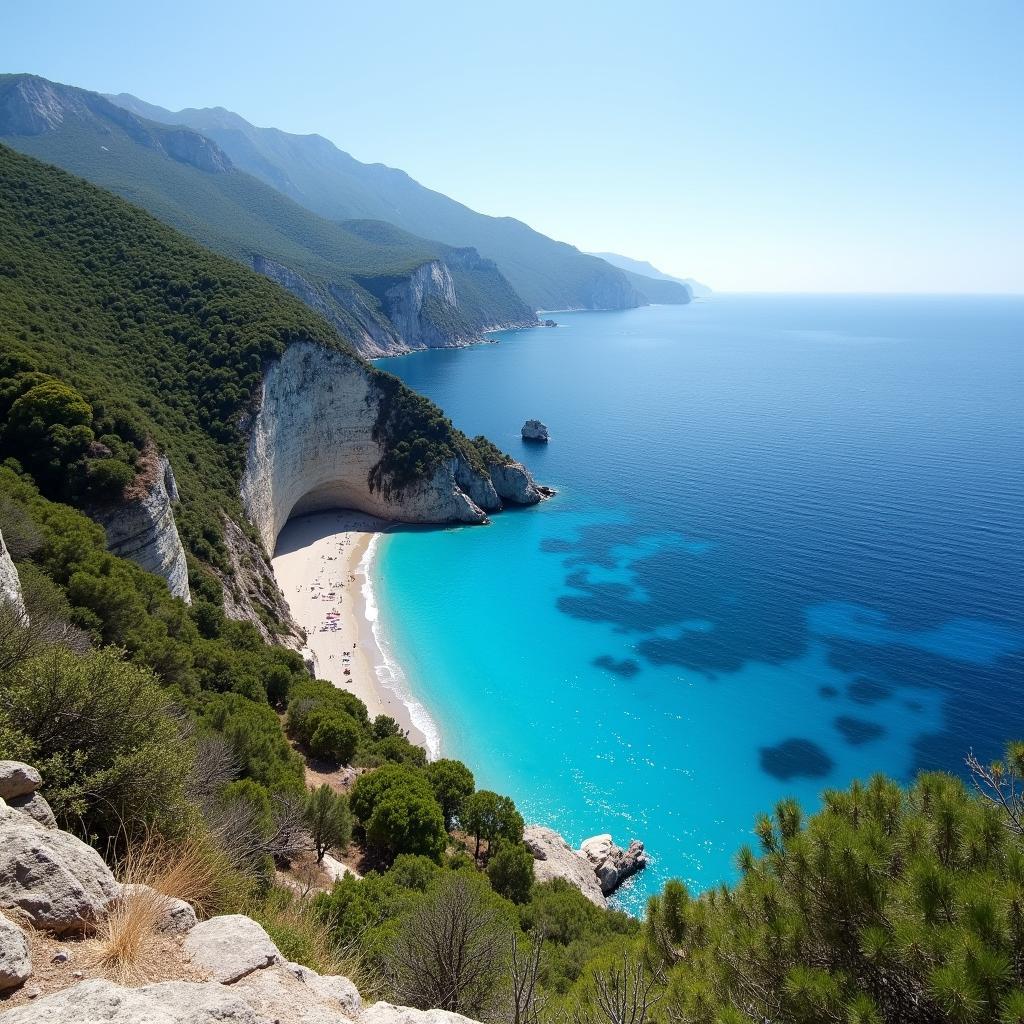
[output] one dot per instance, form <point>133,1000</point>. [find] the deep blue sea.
<point>786,552</point>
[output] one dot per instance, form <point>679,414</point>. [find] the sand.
<point>321,564</point>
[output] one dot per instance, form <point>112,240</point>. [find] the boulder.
<point>57,880</point>
<point>278,993</point>
<point>176,916</point>
<point>329,986</point>
<point>230,947</point>
<point>170,1002</point>
<point>35,806</point>
<point>17,779</point>
<point>15,955</point>
<point>555,858</point>
<point>611,863</point>
<point>534,430</point>
<point>385,1013</point>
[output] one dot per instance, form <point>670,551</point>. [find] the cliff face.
<point>312,448</point>
<point>10,584</point>
<point>416,312</point>
<point>369,332</point>
<point>142,527</point>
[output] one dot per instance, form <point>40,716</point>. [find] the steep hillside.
<point>405,294</point>
<point>315,173</point>
<point>645,269</point>
<point>122,342</point>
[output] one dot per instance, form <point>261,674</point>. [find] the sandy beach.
<point>321,564</point>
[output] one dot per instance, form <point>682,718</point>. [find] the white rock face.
<point>555,858</point>
<point>171,1002</point>
<point>60,882</point>
<point>143,529</point>
<point>230,947</point>
<point>611,863</point>
<point>10,583</point>
<point>404,305</point>
<point>282,995</point>
<point>385,1013</point>
<point>312,448</point>
<point>15,956</point>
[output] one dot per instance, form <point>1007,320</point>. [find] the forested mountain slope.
<point>312,171</point>
<point>388,296</point>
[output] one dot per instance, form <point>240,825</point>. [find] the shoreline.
<point>323,564</point>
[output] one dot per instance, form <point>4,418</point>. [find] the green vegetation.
<point>310,170</point>
<point>239,216</point>
<point>104,308</point>
<point>149,718</point>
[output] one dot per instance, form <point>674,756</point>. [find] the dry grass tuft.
<point>128,941</point>
<point>191,869</point>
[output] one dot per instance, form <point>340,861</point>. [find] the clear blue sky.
<point>804,146</point>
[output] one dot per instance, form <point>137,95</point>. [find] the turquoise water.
<point>786,551</point>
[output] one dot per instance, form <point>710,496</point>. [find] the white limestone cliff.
<point>10,582</point>
<point>142,527</point>
<point>312,447</point>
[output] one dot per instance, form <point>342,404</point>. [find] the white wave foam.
<point>385,665</point>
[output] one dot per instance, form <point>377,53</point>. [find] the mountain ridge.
<point>643,268</point>
<point>311,170</point>
<point>188,181</point>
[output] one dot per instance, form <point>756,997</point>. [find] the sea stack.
<point>534,430</point>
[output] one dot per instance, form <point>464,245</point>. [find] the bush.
<point>335,737</point>
<point>510,872</point>
<point>407,822</point>
<point>105,737</point>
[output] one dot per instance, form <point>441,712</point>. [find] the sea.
<point>786,552</point>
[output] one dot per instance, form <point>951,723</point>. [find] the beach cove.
<point>323,564</point>
<point>760,577</point>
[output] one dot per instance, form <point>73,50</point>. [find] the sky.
<point>790,146</point>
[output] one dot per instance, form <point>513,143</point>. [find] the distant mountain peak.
<point>30,105</point>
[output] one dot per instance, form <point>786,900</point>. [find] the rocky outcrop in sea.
<point>597,869</point>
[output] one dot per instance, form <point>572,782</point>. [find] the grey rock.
<point>534,430</point>
<point>279,994</point>
<point>385,1013</point>
<point>329,986</point>
<point>15,955</point>
<point>170,1002</point>
<point>57,880</point>
<point>555,858</point>
<point>62,956</point>
<point>18,779</point>
<point>611,863</point>
<point>230,947</point>
<point>143,528</point>
<point>36,807</point>
<point>512,482</point>
<point>176,916</point>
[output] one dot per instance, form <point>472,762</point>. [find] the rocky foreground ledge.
<point>597,868</point>
<point>53,884</point>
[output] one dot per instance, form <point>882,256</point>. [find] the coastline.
<point>324,566</point>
